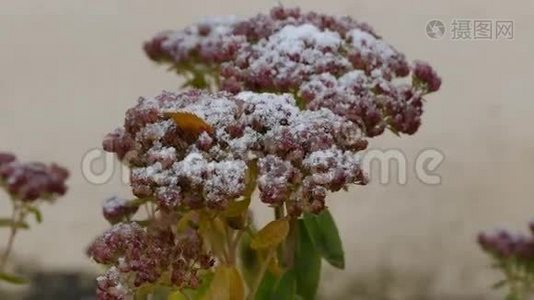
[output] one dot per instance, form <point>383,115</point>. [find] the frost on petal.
<point>30,181</point>
<point>211,40</point>
<point>291,55</point>
<point>116,209</point>
<point>325,61</point>
<point>275,179</point>
<point>110,286</point>
<point>371,53</point>
<point>210,170</point>
<point>226,180</point>
<point>334,169</point>
<point>138,256</point>
<point>266,111</point>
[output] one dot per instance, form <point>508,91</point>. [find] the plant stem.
<point>279,214</point>
<point>147,210</point>
<point>230,258</point>
<point>286,251</point>
<point>141,296</point>
<point>290,243</point>
<point>219,248</point>
<point>16,218</point>
<point>233,243</point>
<point>187,297</point>
<point>515,290</point>
<point>261,274</point>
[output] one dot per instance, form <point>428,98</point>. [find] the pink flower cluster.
<point>301,154</point>
<point>28,182</point>
<point>296,94</point>
<point>505,245</point>
<point>324,61</point>
<point>138,255</point>
<point>117,209</point>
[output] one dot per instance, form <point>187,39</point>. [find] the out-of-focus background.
<point>70,68</point>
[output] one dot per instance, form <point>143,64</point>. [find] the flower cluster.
<point>324,61</point>
<point>295,97</point>
<point>301,154</point>
<point>116,209</point>
<point>514,256</point>
<point>507,245</point>
<point>27,185</point>
<point>28,182</point>
<point>138,256</point>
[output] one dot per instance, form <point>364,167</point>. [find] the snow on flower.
<point>211,170</point>
<point>324,61</point>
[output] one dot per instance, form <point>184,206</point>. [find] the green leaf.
<point>499,284</point>
<point>144,291</point>
<point>162,292</point>
<point>325,237</point>
<point>14,279</point>
<point>513,296</point>
<point>266,288</point>
<point>36,213</point>
<point>286,287</point>
<point>7,222</point>
<point>142,223</point>
<point>307,264</point>
<point>204,286</point>
<point>202,290</point>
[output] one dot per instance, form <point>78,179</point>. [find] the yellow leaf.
<point>237,223</point>
<point>237,288</point>
<point>274,266</point>
<point>190,123</point>
<point>271,235</point>
<point>227,284</point>
<point>219,287</point>
<point>144,290</point>
<point>213,230</point>
<point>177,295</point>
<point>236,208</point>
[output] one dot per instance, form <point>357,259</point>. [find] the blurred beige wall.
<point>70,68</point>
